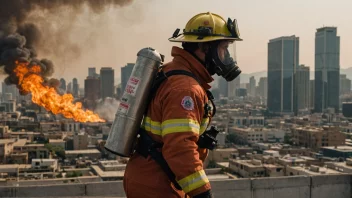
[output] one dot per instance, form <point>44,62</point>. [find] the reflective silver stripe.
<point>201,177</point>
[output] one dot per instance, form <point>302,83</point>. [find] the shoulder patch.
<point>187,103</point>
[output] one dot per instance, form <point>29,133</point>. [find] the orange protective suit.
<point>175,118</point>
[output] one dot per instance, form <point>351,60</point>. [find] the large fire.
<point>30,81</point>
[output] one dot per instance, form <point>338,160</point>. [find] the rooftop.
<point>308,170</point>
<point>55,141</point>
<point>87,151</point>
<point>339,148</point>
<point>103,174</point>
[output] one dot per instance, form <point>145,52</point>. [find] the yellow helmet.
<point>205,27</point>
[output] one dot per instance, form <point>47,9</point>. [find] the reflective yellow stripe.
<point>179,125</point>
<point>204,125</point>
<point>152,126</point>
<point>193,181</point>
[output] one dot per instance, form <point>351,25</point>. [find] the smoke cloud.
<point>107,108</point>
<point>28,27</point>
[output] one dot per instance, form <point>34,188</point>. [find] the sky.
<point>114,37</point>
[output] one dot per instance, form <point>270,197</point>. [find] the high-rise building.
<point>92,72</point>
<point>263,88</point>
<point>125,75</point>
<point>311,93</point>
<point>107,82</point>
<point>75,87</point>
<point>63,84</point>
<point>92,88</point>
<point>232,86</point>
<point>327,69</point>
<point>252,85</point>
<point>283,60</point>
<point>10,89</point>
<point>223,87</point>
<point>345,84</point>
<point>302,80</point>
<point>69,88</point>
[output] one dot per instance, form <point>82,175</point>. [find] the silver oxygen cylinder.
<point>133,103</point>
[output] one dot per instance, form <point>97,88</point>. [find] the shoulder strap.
<point>162,76</point>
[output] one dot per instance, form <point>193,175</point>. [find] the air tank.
<point>133,103</point>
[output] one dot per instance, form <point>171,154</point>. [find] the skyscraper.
<point>69,88</point>
<point>327,69</point>
<point>223,87</point>
<point>92,88</point>
<point>311,93</point>
<point>125,75</point>
<point>283,57</point>
<point>10,89</point>
<point>263,88</point>
<point>345,84</point>
<point>63,84</point>
<point>92,72</point>
<point>75,87</point>
<point>107,82</point>
<point>232,86</point>
<point>252,86</point>
<point>302,80</point>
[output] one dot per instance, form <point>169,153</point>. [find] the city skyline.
<point>108,45</point>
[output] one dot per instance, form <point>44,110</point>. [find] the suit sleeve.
<point>182,115</point>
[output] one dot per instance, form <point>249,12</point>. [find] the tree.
<point>58,150</point>
<point>74,174</point>
<point>287,139</point>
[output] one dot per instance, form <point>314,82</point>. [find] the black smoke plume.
<point>19,39</point>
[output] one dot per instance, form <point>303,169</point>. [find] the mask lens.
<point>226,52</point>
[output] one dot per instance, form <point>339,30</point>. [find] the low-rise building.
<point>252,135</point>
<point>315,137</point>
<point>45,164</point>
<point>344,167</point>
<point>30,136</point>
<point>109,170</point>
<point>309,170</point>
<point>93,154</point>
<point>6,148</point>
<point>222,155</point>
<point>291,161</point>
<point>247,168</point>
<point>337,151</point>
<point>57,142</point>
<point>35,151</point>
<point>255,168</point>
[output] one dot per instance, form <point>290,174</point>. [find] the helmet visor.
<point>226,52</point>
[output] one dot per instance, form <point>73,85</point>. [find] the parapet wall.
<point>327,186</point>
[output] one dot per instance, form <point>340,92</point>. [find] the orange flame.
<point>31,81</point>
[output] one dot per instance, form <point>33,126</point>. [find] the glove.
<point>206,194</point>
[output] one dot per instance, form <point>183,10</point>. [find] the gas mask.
<point>218,60</point>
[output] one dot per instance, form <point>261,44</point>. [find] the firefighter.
<point>180,113</point>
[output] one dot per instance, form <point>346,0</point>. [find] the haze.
<point>113,38</point>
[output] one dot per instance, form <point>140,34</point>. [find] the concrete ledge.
<point>232,188</point>
<point>288,187</point>
<point>330,179</point>
<point>280,182</point>
<point>7,192</point>
<point>328,186</point>
<point>49,191</point>
<point>325,186</point>
<point>113,188</point>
